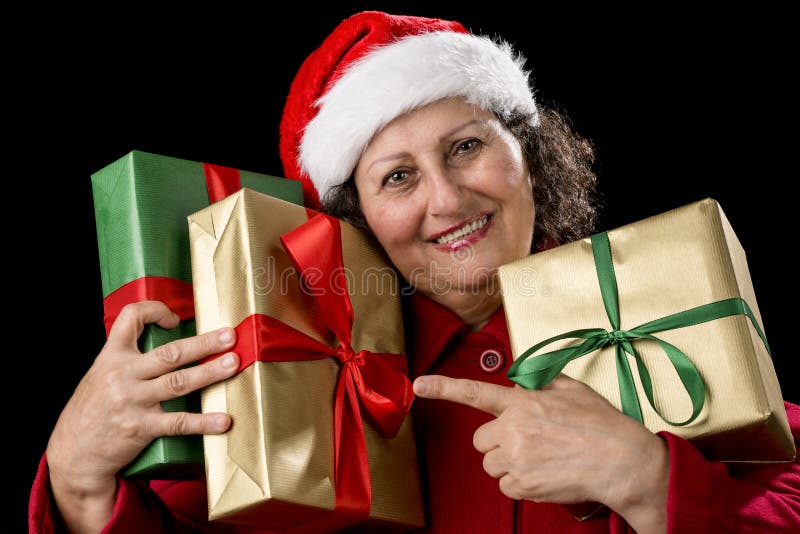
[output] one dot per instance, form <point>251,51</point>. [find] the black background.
<point>680,104</point>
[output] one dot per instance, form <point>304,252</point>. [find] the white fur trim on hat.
<point>401,76</point>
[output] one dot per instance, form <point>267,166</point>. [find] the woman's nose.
<point>445,191</point>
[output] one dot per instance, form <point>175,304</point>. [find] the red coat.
<point>703,496</point>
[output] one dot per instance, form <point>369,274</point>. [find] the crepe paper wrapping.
<point>141,203</point>
<point>684,259</point>
<point>275,468</point>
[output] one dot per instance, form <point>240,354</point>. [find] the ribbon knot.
<point>615,336</point>
<point>345,353</point>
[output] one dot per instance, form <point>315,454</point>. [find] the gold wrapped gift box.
<point>275,467</point>
<point>665,264</point>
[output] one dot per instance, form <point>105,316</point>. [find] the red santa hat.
<point>374,67</point>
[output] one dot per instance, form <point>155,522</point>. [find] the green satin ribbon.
<point>535,373</point>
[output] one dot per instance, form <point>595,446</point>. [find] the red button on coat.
<point>492,361</point>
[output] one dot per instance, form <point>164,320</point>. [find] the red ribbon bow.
<point>381,380</point>
<point>378,382</point>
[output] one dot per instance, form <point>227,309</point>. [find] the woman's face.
<point>447,192</point>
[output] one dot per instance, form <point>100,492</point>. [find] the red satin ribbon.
<point>376,381</point>
<point>176,294</point>
<point>221,181</point>
<point>383,390</point>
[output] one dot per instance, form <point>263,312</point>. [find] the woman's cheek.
<point>395,221</point>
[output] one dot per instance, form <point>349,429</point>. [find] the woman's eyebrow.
<point>459,128</point>
<point>400,155</point>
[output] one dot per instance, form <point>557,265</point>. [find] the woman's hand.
<point>565,444</point>
<point>115,411</point>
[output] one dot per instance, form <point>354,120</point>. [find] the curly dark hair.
<point>560,161</point>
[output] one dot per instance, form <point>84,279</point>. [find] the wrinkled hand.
<point>115,411</point>
<point>563,444</point>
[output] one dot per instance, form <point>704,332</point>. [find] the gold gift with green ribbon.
<point>660,318</point>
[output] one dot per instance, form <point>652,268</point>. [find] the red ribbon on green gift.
<point>176,294</point>
<point>378,382</point>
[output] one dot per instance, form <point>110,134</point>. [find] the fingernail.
<point>229,360</point>
<point>220,423</point>
<point>420,386</point>
<point>226,336</point>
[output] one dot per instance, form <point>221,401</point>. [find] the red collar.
<point>431,327</point>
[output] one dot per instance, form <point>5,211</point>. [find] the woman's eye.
<point>467,147</point>
<point>395,178</point>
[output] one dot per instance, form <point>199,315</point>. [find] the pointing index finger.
<point>484,396</point>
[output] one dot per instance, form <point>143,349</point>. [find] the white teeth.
<point>465,230</point>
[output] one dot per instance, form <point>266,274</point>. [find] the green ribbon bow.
<point>535,373</point>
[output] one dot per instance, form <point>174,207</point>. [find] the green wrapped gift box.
<point>141,203</point>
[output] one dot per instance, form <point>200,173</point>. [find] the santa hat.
<point>374,67</point>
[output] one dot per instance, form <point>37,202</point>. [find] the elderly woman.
<point>429,138</point>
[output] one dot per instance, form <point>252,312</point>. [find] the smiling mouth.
<point>463,231</point>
